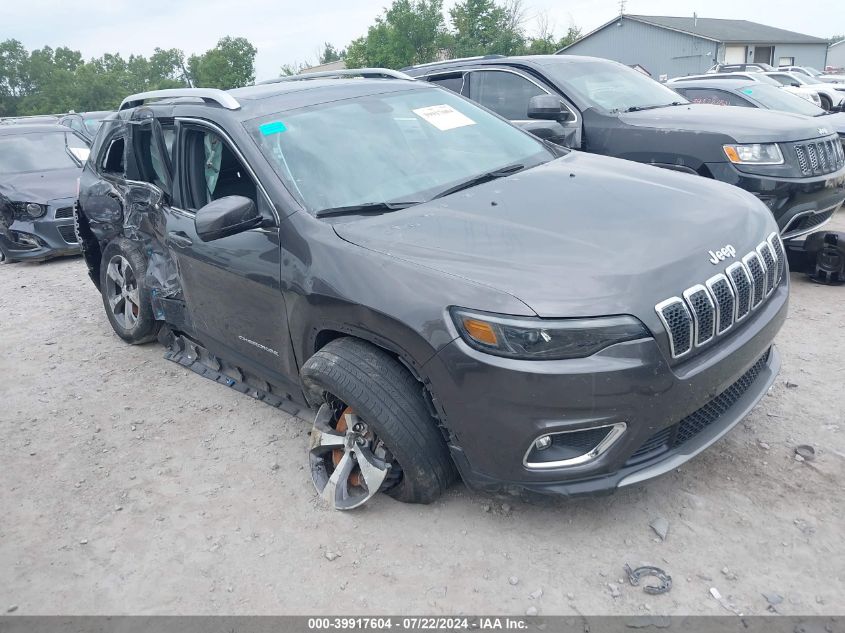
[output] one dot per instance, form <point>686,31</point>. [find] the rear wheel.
<point>125,296</point>
<point>373,431</point>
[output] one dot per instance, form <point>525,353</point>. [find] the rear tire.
<point>126,297</point>
<point>352,375</point>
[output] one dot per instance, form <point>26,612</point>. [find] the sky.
<point>287,32</point>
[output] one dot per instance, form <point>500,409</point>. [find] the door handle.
<point>179,239</point>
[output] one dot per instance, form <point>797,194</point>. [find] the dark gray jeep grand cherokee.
<point>447,292</point>
<point>794,164</point>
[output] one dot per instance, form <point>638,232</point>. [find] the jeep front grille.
<point>709,310</point>
<point>820,157</point>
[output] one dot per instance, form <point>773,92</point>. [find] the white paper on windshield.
<point>443,117</point>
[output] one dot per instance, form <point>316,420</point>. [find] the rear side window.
<point>452,82</point>
<point>152,165</point>
<point>112,162</point>
<point>714,97</point>
<point>506,94</point>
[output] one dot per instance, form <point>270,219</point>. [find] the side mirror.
<point>547,108</point>
<point>226,216</point>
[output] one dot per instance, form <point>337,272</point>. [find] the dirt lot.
<point>130,485</point>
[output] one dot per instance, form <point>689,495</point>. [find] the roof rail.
<point>212,95</point>
<point>457,59</point>
<point>369,73</point>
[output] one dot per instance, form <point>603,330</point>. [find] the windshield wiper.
<point>653,107</point>
<point>366,207</point>
<point>480,179</point>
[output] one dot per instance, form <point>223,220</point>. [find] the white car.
<point>804,92</point>
<point>831,95</point>
<point>831,78</point>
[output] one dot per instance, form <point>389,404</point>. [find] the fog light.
<point>35,210</point>
<point>543,442</point>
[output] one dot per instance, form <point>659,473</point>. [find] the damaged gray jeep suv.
<point>447,293</point>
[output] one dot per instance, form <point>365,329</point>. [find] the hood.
<point>744,125</point>
<point>583,235</point>
<point>40,186</point>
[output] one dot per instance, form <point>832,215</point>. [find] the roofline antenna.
<point>622,4</point>
<point>694,19</point>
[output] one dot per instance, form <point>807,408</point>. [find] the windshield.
<point>40,151</point>
<point>778,99</point>
<point>796,78</point>
<point>812,71</point>
<point>612,87</point>
<point>395,147</point>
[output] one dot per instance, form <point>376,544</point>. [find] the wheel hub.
<point>345,466</point>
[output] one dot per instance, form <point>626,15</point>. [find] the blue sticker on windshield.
<point>748,91</point>
<point>272,128</point>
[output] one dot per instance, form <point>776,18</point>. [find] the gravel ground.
<point>132,486</point>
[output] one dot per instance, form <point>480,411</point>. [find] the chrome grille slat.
<point>710,310</point>
<point>703,312</point>
<point>755,266</point>
<point>769,263</point>
<point>725,302</point>
<point>802,159</point>
<point>780,255</point>
<point>677,320</point>
<point>743,288</point>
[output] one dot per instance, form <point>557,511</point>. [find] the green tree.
<point>230,64</point>
<point>14,79</point>
<point>331,54</point>
<point>484,27</point>
<point>409,32</point>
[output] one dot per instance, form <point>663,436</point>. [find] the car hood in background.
<point>41,186</point>
<point>744,125</point>
<point>583,235</point>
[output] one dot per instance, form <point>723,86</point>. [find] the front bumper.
<point>800,205</point>
<point>43,238</point>
<point>494,408</point>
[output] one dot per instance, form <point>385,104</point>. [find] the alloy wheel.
<point>122,292</point>
<point>349,463</point>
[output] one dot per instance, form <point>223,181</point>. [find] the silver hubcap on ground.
<point>122,292</point>
<point>361,469</point>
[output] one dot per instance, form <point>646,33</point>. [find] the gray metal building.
<point>675,46</point>
<point>836,55</point>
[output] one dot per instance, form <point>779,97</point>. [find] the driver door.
<point>507,93</point>
<point>231,285</point>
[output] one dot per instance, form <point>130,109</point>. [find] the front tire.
<point>126,297</point>
<point>373,431</point>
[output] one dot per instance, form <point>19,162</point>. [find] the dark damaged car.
<point>794,165</point>
<point>39,169</point>
<point>447,293</point>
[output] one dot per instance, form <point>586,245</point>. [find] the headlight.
<point>754,154</point>
<point>544,339</point>
<point>35,210</point>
